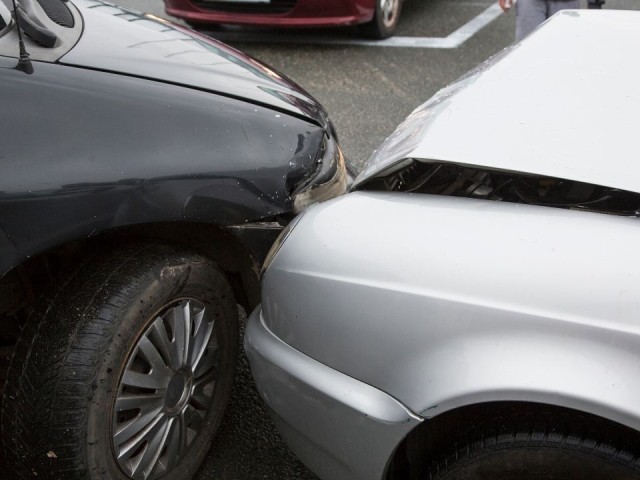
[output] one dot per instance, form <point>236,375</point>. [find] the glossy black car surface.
<point>146,169</point>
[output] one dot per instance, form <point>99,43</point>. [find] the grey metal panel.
<point>341,428</point>
<point>442,302</point>
<point>151,47</point>
<point>84,152</point>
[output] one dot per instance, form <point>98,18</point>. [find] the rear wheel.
<point>530,448</point>
<point>124,371</point>
<point>385,20</point>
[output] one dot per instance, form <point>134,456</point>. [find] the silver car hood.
<point>564,103</point>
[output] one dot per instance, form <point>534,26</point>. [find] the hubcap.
<point>389,10</point>
<point>165,391</point>
<point>178,392</point>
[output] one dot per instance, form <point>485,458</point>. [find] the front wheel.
<point>535,447</point>
<point>385,20</point>
<point>124,371</point>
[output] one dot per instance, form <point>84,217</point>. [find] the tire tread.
<point>54,369</point>
<point>532,431</point>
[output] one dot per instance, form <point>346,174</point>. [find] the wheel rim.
<point>165,391</point>
<point>389,11</point>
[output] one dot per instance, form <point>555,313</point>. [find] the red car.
<point>378,18</point>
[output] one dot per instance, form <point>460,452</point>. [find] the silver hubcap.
<point>166,391</point>
<point>389,11</point>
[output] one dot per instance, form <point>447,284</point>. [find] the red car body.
<point>289,13</point>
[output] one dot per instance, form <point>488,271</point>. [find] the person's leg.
<point>555,6</point>
<point>529,14</point>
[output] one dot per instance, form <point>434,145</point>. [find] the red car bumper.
<point>284,13</point>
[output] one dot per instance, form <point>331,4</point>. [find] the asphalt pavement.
<point>368,89</point>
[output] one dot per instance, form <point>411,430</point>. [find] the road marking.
<point>473,26</point>
<point>453,40</point>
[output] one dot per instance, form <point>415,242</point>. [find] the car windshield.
<point>5,17</point>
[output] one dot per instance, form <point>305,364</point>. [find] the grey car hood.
<point>124,41</point>
<point>564,103</point>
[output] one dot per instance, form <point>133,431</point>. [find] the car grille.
<point>273,7</point>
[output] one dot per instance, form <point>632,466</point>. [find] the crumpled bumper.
<point>338,426</point>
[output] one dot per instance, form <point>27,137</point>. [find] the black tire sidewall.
<point>525,441</point>
<point>535,463</point>
<point>186,278</point>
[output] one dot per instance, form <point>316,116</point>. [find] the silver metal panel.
<point>562,103</point>
<point>442,302</point>
<point>341,428</point>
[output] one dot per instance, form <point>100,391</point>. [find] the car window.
<point>5,17</point>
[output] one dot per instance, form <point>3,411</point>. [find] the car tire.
<point>385,20</point>
<point>530,448</point>
<point>99,356</point>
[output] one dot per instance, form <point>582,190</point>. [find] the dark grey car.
<point>145,171</point>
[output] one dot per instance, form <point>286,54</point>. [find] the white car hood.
<point>564,103</point>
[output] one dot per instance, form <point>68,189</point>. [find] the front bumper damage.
<point>341,428</point>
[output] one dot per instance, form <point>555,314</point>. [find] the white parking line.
<point>453,40</point>
<point>473,26</point>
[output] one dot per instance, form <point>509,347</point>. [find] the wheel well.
<point>20,287</point>
<point>432,439</point>
<point>233,258</point>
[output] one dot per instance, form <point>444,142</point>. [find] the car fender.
<point>443,302</point>
<point>86,151</point>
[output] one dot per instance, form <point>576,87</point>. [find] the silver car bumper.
<point>338,426</point>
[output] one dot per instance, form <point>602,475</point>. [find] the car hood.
<point>124,41</point>
<point>563,103</point>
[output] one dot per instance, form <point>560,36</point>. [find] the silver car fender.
<point>444,302</point>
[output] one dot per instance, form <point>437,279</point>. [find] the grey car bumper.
<point>338,426</point>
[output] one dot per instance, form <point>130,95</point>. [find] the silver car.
<point>472,309</point>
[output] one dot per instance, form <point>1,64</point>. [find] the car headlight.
<point>330,180</point>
